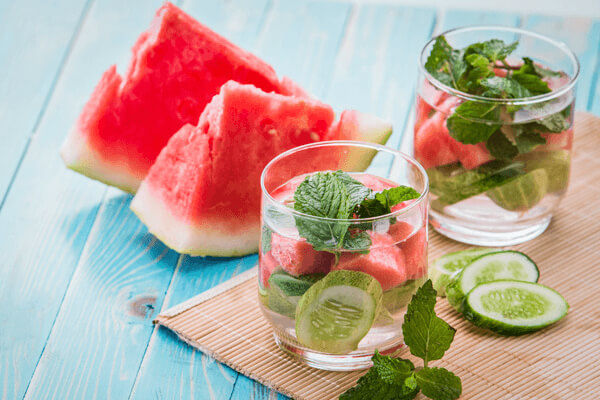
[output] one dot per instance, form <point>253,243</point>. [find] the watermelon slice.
<point>384,262</point>
<point>297,257</point>
<point>178,65</point>
<point>202,195</point>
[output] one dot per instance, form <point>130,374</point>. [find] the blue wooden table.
<point>80,277</point>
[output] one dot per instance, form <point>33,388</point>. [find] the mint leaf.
<point>445,63</point>
<point>527,140</point>
<point>265,239</point>
<point>530,67</point>
<point>504,88</point>
<point>554,123</point>
<point>291,285</point>
<point>381,203</point>
<point>427,336</point>
<point>322,195</point>
<point>356,190</point>
<point>439,384</point>
<point>501,147</point>
<point>360,241</point>
<point>494,49</point>
<point>392,370</point>
<point>473,122</point>
<point>371,386</point>
<point>399,194</point>
<point>532,83</point>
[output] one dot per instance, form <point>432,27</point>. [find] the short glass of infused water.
<point>343,249</point>
<point>493,129</point>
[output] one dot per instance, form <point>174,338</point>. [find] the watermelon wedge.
<point>202,195</point>
<point>178,65</point>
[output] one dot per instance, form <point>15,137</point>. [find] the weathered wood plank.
<point>300,40</point>
<point>171,368</point>
<point>49,211</point>
<point>376,68</point>
<point>457,18</point>
<point>582,35</point>
<point>34,40</point>
<point>104,324</point>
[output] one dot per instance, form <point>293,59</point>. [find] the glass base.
<point>354,361</point>
<point>487,234</point>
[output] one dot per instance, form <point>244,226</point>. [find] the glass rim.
<point>422,195</point>
<point>518,101</point>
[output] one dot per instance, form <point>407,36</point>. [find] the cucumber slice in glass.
<point>446,267</point>
<point>513,308</point>
<point>508,264</point>
<point>338,311</point>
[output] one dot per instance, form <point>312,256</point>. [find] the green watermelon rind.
<point>79,157</point>
<point>190,239</point>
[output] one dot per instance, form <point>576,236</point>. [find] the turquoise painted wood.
<point>31,55</point>
<point>119,284</point>
<point>376,67</point>
<point>301,39</point>
<point>49,210</point>
<point>81,278</point>
<point>161,374</point>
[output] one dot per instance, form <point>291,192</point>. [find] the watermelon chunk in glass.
<point>202,195</point>
<point>384,261</point>
<point>297,257</point>
<point>177,66</point>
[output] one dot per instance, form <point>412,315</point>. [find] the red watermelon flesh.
<point>178,65</point>
<point>202,196</point>
<point>414,247</point>
<point>267,266</point>
<point>297,257</point>
<point>433,144</point>
<point>384,262</point>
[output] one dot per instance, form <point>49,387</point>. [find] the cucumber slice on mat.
<point>446,267</point>
<point>514,308</point>
<point>338,311</point>
<point>508,264</point>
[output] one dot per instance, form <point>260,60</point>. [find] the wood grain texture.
<point>105,321</point>
<point>34,41</point>
<point>301,39</point>
<point>49,210</point>
<point>376,67</point>
<point>173,369</point>
<point>582,35</point>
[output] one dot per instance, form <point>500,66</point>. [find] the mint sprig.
<point>338,196</point>
<point>428,337</point>
<point>471,70</point>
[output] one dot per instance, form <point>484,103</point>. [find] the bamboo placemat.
<point>560,362</point>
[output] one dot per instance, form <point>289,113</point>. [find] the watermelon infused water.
<point>342,250</point>
<point>493,129</point>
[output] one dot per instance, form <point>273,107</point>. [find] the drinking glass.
<point>478,198</point>
<point>290,268</point>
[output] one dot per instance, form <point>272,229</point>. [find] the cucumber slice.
<point>521,193</point>
<point>514,308</point>
<point>508,264</point>
<point>446,267</point>
<point>338,311</point>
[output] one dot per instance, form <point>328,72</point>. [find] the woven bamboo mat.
<point>560,362</point>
